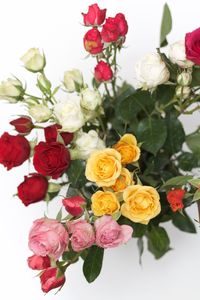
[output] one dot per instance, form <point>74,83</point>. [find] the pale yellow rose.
<point>104,167</point>
<point>104,203</point>
<point>123,181</point>
<point>127,147</point>
<point>142,203</point>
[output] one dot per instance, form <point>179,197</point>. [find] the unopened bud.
<point>183,92</point>
<point>184,79</point>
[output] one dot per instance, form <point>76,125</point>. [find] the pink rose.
<point>103,71</point>
<point>48,237</point>
<point>110,234</point>
<point>74,205</point>
<point>95,16</point>
<point>37,262</point>
<point>82,235</point>
<point>192,46</point>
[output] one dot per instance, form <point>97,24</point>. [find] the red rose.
<point>93,41</point>
<point>23,125</point>
<point>32,189</point>
<point>175,199</point>
<point>51,134</point>
<point>49,280</point>
<point>192,46</point>
<point>103,72</point>
<point>110,31</point>
<point>36,262</point>
<point>51,159</point>
<point>122,24</point>
<point>74,205</point>
<point>14,150</point>
<point>95,16</point>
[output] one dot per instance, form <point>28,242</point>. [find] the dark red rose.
<point>23,125</point>
<point>103,72</point>
<point>14,150</point>
<point>175,199</point>
<point>192,46</point>
<point>93,41</point>
<point>95,16</point>
<point>33,189</point>
<point>122,24</point>
<point>110,31</point>
<point>49,281</point>
<point>74,205</point>
<point>51,134</point>
<point>51,159</point>
<point>36,262</point>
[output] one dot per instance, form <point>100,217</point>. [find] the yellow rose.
<point>104,203</point>
<point>103,167</point>
<point>142,203</point>
<point>124,180</point>
<point>127,147</point>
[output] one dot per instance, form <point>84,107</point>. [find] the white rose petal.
<point>72,78</point>
<point>151,71</point>
<point>40,112</point>
<point>177,55</point>
<point>33,60</point>
<point>90,99</point>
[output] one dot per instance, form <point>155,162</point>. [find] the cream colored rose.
<point>40,112</point>
<point>177,55</point>
<point>151,71</point>
<point>73,79</point>
<point>85,144</point>
<point>69,115</point>
<point>33,60</point>
<point>141,203</point>
<point>90,99</point>
<point>10,90</point>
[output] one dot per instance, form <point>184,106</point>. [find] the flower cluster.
<point>118,154</point>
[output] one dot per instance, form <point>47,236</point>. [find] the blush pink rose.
<point>37,262</point>
<point>48,237</point>
<point>110,234</point>
<point>192,46</point>
<point>83,235</point>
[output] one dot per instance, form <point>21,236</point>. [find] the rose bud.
<point>192,41</point>
<point>49,280</point>
<point>74,205</point>
<point>103,72</point>
<point>32,189</point>
<point>93,42</point>
<point>183,92</point>
<point>95,16</point>
<point>33,60</point>
<point>175,199</point>
<point>73,80</point>
<point>110,31</point>
<point>36,262</point>
<point>184,79</point>
<point>122,24</point>
<point>51,134</point>
<point>11,90</point>
<point>40,112</point>
<point>23,125</point>
<point>14,150</point>
<point>51,159</point>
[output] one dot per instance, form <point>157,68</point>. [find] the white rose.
<point>177,55</point>
<point>72,80</point>
<point>151,71</point>
<point>10,89</point>
<point>33,60</point>
<point>90,99</point>
<point>69,114</point>
<point>40,112</point>
<point>85,144</point>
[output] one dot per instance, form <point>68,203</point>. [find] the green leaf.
<point>195,182</point>
<point>158,241</point>
<point>193,142</point>
<point>138,229</point>
<point>166,25</point>
<point>187,161</point>
<point>93,263</point>
<point>140,244</point>
<point>183,222</point>
<point>196,196</point>
<point>76,174</point>
<point>177,181</point>
<point>164,93</point>
<point>152,132</point>
<point>195,76</point>
<point>59,215</point>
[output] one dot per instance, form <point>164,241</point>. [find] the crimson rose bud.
<point>32,189</point>
<point>95,16</point>
<point>192,46</point>
<point>122,24</point>
<point>175,199</point>
<point>74,205</point>
<point>36,262</point>
<point>51,134</point>
<point>23,125</point>
<point>110,31</point>
<point>103,72</point>
<point>14,150</point>
<point>93,42</point>
<point>51,159</point>
<point>49,280</point>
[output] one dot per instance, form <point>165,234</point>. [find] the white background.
<point>55,26</point>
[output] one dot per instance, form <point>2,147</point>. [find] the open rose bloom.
<point>110,155</point>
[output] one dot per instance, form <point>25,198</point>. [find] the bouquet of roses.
<point>116,158</point>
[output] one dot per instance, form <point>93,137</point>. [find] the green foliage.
<point>193,142</point>
<point>158,241</point>
<point>187,161</point>
<point>93,263</point>
<point>166,25</point>
<point>183,222</point>
<point>139,230</point>
<point>140,244</point>
<point>76,174</point>
<point>177,181</point>
<point>195,76</point>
